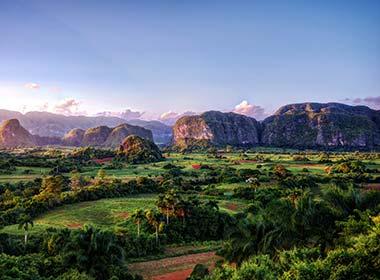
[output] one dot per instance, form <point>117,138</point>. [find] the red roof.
<point>196,166</point>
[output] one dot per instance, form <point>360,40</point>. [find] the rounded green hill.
<point>140,150</point>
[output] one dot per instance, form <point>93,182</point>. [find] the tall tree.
<point>182,209</point>
<point>167,202</point>
<point>154,219</point>
<point>76,181</point>
<point>25,222</point>
<point>93,251</point>
<point>138,216</point>
<point>101,176</point>
<point>52,185</point>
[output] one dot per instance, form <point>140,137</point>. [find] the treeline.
<point>57,160</point>
<point>186,219</point>
<point>40,195</point>
<point>36,197</point>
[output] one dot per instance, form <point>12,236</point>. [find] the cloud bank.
<point>69,107</point>
<point>33,86</point>
<point>171,117</point>
<point>128,114</point>
<point>250,110</point>
<point>373,102</point>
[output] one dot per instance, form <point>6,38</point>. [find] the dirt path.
<point>175,268</point>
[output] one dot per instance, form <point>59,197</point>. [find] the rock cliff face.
<point>96,136</point>
<point>74,137</point>
<point>104,136</point>
<point>315,125</point>
<point>13,135</point>
<point>216,128</point>
<point>119,133</point>
<point>305,125</point>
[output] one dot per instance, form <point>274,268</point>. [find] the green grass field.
<point>108,213</point>
<point>235,160</point>
<point>104,213</point>
<point>23,174</point>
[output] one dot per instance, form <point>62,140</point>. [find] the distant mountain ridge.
<point>104,136</point>
<point>329,125</point>
<point>303,125</point>
<point>56,125</point>
<point>13,135</point>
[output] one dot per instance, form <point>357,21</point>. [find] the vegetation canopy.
<point>220,214</point>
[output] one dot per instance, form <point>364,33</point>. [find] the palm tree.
<point>25,222</point>
<point>167,203</point>
<point>294,195</point>
<point>94,251</point>
<point>182,209</point>
<point>263,232</point>
<point>138,216</point>
<point>56,240</point>
<point>161,204</point>
<point>154,218</point>
<point>344,201</point>
<point>242,242</point>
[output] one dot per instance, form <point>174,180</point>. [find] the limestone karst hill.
<point>304,125</point>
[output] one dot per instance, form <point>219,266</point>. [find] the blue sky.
<point>159,56</point>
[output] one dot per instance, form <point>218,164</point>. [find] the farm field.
<point>171,215</point>
<point>126,172</point>
<point>104,213</point>
<point>173,268</point>
<point>24,174</point>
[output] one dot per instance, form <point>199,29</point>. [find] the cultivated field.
<point>185,190</point>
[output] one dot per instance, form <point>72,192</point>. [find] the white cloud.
<point>250,110</point>
<point>168,115</point>
<point>34,86</point>
<point>68,106</point>
<point>128,114</point>
<point>171,117</point>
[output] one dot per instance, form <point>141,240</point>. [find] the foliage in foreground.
<point>358,259</point>
<point>65,254</point>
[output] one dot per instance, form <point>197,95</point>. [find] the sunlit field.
<point>202,201</point>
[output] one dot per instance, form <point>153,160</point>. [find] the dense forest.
<point>270,214</point>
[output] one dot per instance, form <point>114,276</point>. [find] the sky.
<point>160,59</point>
